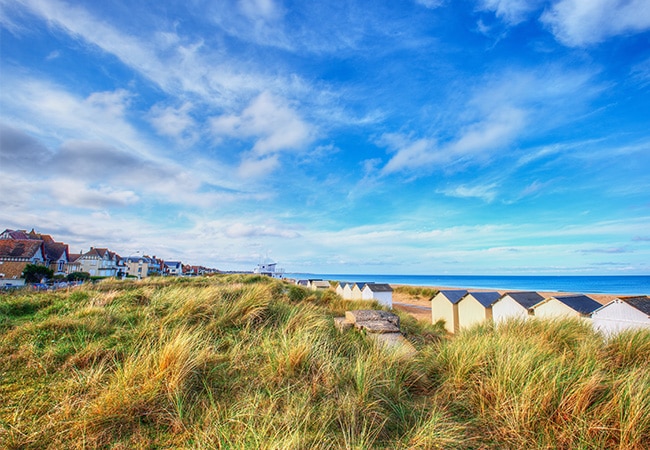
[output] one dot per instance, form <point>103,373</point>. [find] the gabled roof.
<point>72,257</point>
<point>19,248</point>
<point>453,295</point>
<point>55,250</point>
<point>173,264</point>
<point>379,287</point>
<point>361,284</point>
<point>485,298</point>
<point>642,303</point>
<point>525,299</point>
<point>580,303</point>
<point>15,234</point>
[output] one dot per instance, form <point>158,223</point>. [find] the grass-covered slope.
<point>250,362</point>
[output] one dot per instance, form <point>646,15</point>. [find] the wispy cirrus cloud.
<point>579,23</point>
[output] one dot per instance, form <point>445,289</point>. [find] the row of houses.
<point>461,309</point>
<point>19,248</point>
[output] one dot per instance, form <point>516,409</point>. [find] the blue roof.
<point>486,298</point>
<point>642,303</point>
<point>580,303</point>
<point>453,296</point>
<point>525,299</point>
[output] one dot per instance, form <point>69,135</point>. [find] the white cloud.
<point>511,11</point>
<point>260,9</point>
<point>255,167</point>
<point>487,193</point>
<point>431,4</point>
<point>275,126</point>
<point>583,22</point>
<point>70,192</point>
<point>174,122</point>
<point>241,230</point>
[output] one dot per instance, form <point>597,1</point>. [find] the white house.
<point>561,306</point>
<point>99,262</point>
<point>381,292</point>
<point>173,268</point>
<point>515,305</point>
<point>622,314</point>
<point>476,307</point>
<point>444,306</point>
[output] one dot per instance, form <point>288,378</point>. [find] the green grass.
<point>249,362</point>
<point>418,292</point>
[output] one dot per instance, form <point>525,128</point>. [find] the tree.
<point>34,273</point>
<point>78,276</point>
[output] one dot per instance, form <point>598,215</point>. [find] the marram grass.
<point>248,362</point>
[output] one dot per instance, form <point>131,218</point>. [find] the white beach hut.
<point>347,291</point>
<point>622,314</point>
<point>476,307</point>
<point>566,306</point>
<point>444,306</point>
<point>515,305</point>
<point>381,292</point>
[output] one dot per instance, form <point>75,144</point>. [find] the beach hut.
<point>347,291</point>
<point>476,307</point>
<point>515,305</point>
<point>621,314</point>
<point>444,306</point>
<point>340,286</point>
<point>559,306</point>
<point>319,285</point>
<point>357,289</point>
<point>381,292</point>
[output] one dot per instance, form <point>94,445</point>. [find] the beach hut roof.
<point>525,299</point>
<point>379,287</point>
<point>580,303</point>
<point>485,298</point>
<point>453,295</point>
<point>642,303</point>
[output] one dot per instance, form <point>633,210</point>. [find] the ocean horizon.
<point>585,284</point>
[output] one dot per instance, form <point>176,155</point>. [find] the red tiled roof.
<point>19,248</point>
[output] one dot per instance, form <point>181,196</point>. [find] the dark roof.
<point>525,299</point>
<point>379,287</point>
<point>453,296</point>
<point>55,250</point>
<point>485,298</point>
<point>16,234</point>
<point>580,303</point>
<point>642,303</point>
<point>19,248</point>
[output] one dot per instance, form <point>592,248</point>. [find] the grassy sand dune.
<point>250,362</point>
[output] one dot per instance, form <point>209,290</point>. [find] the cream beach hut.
<point>622,314</point>
<point>357,289</point>
<point>320,285</point>
<point>515,305</point>
<point>340,286</point>
<point>566,306</point>
<point>476,307</point>
<point>347,291</point>
<point>444,306</point>
<point>381,292</point>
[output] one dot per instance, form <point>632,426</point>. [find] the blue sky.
<point>396,137</point>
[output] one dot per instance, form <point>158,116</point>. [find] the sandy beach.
<point>421,308</point>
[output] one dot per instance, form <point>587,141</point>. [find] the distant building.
<point>319,285</point>
<point>173,268</point>
<point>15,254</point>
<point>625,313</point>
<point>563,306</point>
<point>269,269</point>
<point>444,306</point>
<point>515,305</point>
<point>99,262</point>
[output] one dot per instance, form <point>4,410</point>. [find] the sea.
<point>584,284</point>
